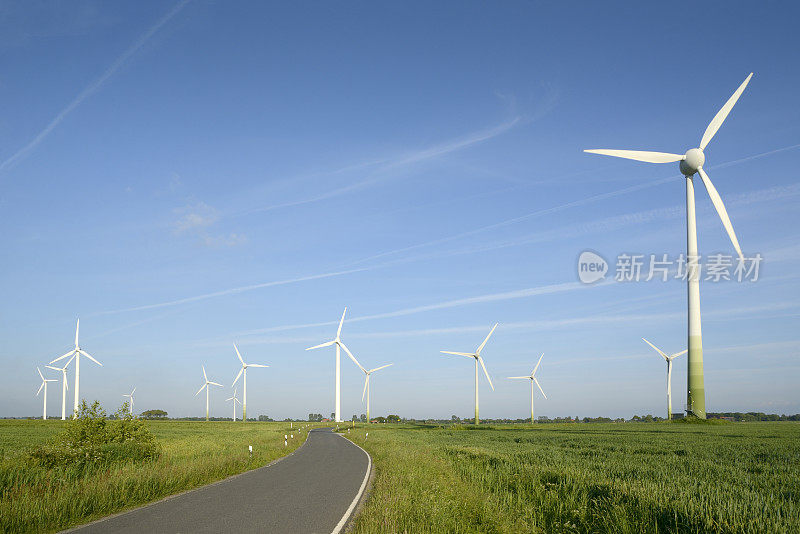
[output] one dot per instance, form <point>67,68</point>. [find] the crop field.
<point>36,499</point>
<point>621,478</point>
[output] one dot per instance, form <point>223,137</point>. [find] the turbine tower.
<point>205,386</point>
<point>477,357</point>
<point>669,374</point>
<point>532,378</point>
<point>366,384</point>
<point>243,371</point>
<point>64,386</point>
<point>44,385</point>
<point>77,352</point>
<point>691,163</point>
<point>131,398</point>
<point>235,400</point>
<point>339,345</point>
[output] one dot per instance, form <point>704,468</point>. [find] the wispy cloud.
<point>91,88</point>
<point>194,216</point>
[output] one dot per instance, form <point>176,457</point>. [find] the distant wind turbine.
<point>366,384</point>
<point>131,398</point>
<point>691,163</point>
<point>205,386</point>
<point>532,378</point>
<point>77,352</point>
<point>477,356</point>
<point>44,385</point>
<point>337,341</point>
<point>243,371</point>
<point>64,386</point>
<point>669,374</point>
<point>235,400</point>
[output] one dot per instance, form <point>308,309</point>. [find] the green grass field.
<point>34,499</point>
<point>621,478</point>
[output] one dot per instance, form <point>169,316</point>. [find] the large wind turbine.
<point>477,356</point>
<point>339,345</point>
<point>532,378</point>
<point>44,385</point>
<point>235,400</point>
<point>205,386</point>
<point>77,352</point>
<point>669,374</point>
<point>691,163</point>
<point>64,386</point>
<point>366,384</point>
<point>131,398</point>
<point>243,371</point>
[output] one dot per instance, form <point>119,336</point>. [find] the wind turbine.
<point>76,352</point>
<point>64,386</point>
<point>691,163</point>
<point>669,374</point>
<point>44,385</point>
<point>235,400</point>
<point>532,378</point>
<point>130,397</point>
<point>205,386</point>
<point>339,345</point>
<point>477,356</point>
<point>366,384</point>
<point>243,371</point>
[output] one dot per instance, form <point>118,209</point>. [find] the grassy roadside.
<point>621,478</point>
<point>34,499</point>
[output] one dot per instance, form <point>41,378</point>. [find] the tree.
<point>363,418</point>
<point>154,414</point>
<point>315,417</point>
<point>392,418</point>
<point>264,418</point>
<point>333,416</point>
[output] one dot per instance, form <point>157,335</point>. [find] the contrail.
<point>561,207</point>
<point>91,88</point>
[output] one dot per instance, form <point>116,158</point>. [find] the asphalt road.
<point>310,491</point>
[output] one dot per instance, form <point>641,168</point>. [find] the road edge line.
<point>346,517</point>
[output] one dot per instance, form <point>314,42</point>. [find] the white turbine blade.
<point>205,377</point>
<point>77,327</point>
<point>467,354</point>
<point>256,365</point>
<point>678,354</point>
<point>519,377</point>
<point>639,155</point>
<point>352,357</point>
<point>366,381</point>
<point>40,389</point>
<point>381,367</point>
<point>201,389</point>
<point>661,352</point>
<point>719,118</point>
<point>341,322</point>
<point>486,372</point>
<point>230,398</point>
<point>723,213</point>
<point>540,387</point>
<point>50,380</point>
<point>237,353</point>
<point>237,400</point>
<point>53,368</point>
<point>87,355</point>
<point>537,364</point>
<point>237,376</point>
<point>69,361</point>
<point>215,384</point>
<point>487,339</point>
<point>64,356</point>
<point>326,344</point>
<point>40,373</point>
<point>132,392</point>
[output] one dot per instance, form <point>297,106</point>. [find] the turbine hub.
<point>692,161</point>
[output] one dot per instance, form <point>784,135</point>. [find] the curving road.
<point>315,490</point>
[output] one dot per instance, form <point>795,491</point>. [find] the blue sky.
<point>182,176</point>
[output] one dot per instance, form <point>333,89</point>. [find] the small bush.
<point>91,438</point>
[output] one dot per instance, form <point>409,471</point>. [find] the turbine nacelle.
<point>692,161</point>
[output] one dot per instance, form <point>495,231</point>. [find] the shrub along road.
<point>313,490</point>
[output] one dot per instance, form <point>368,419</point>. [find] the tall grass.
<point>615,478</point>
<point>37,499</point>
